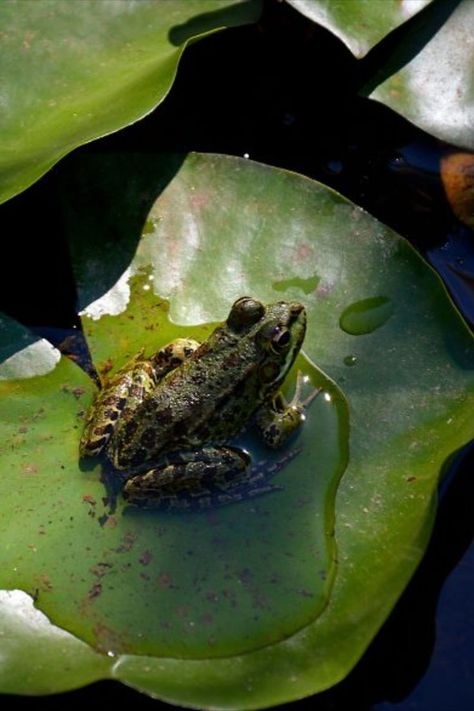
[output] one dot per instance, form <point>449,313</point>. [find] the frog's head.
<point>277,331</point>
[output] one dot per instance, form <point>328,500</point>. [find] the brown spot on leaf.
<point>164,580</point>
<point>304,251</point>
<point>95,591</point>
<point>111,522</point>
<point>101,569</point>
<point>44,583</point>
<point>29,469</point>
<point>145,558</point>
<point>108,640</point>
<point>127,542</point>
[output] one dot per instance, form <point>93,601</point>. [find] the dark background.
<point>286,92</point>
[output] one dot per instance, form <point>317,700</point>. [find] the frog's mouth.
<point>298,332</point>
<point>297,325</point>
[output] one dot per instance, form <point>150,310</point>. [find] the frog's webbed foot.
<point>196,480</point>
<point>278,419</point>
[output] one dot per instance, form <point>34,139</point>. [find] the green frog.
<point>166,421</point>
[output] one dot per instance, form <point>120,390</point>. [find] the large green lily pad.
<point>203,584</point>
<point>389,346</point>
<point>74,71</point>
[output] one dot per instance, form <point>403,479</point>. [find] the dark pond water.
<point>285,94</point>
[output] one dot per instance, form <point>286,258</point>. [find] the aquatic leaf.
<point>434,89</point>
<point>74,71</point>
<point>246,581</point>
<point>148,587</point>
<point>359,24</point>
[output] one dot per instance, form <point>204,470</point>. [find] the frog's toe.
<point>297,401</point>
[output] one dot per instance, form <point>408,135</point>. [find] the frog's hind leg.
<point>126,390</point>
<point>197,480</point>
<point>118,398</point>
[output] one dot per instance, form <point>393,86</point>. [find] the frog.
<point>166,422</point>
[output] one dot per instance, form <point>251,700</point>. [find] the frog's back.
<point>209,398</point>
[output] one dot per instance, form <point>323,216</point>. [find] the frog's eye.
<point>245,312</point>
<point>280,340</point>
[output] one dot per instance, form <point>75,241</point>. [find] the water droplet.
<point>350,360</point>
<point>366,315</point>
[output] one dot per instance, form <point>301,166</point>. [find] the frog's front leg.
<point>278,419</point>
<point>197,479</point>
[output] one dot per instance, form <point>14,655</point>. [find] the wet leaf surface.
<point>259,576</point>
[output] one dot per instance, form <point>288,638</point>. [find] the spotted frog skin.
<point>166,421</point>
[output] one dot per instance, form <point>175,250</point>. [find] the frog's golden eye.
<point>245,312</point>
<point>281,338</point>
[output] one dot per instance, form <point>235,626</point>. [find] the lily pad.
<point>434,89</point>
<point>359,24</point>
<point>202,584</point>
<point>74,71</point>
<point>224,227</point>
